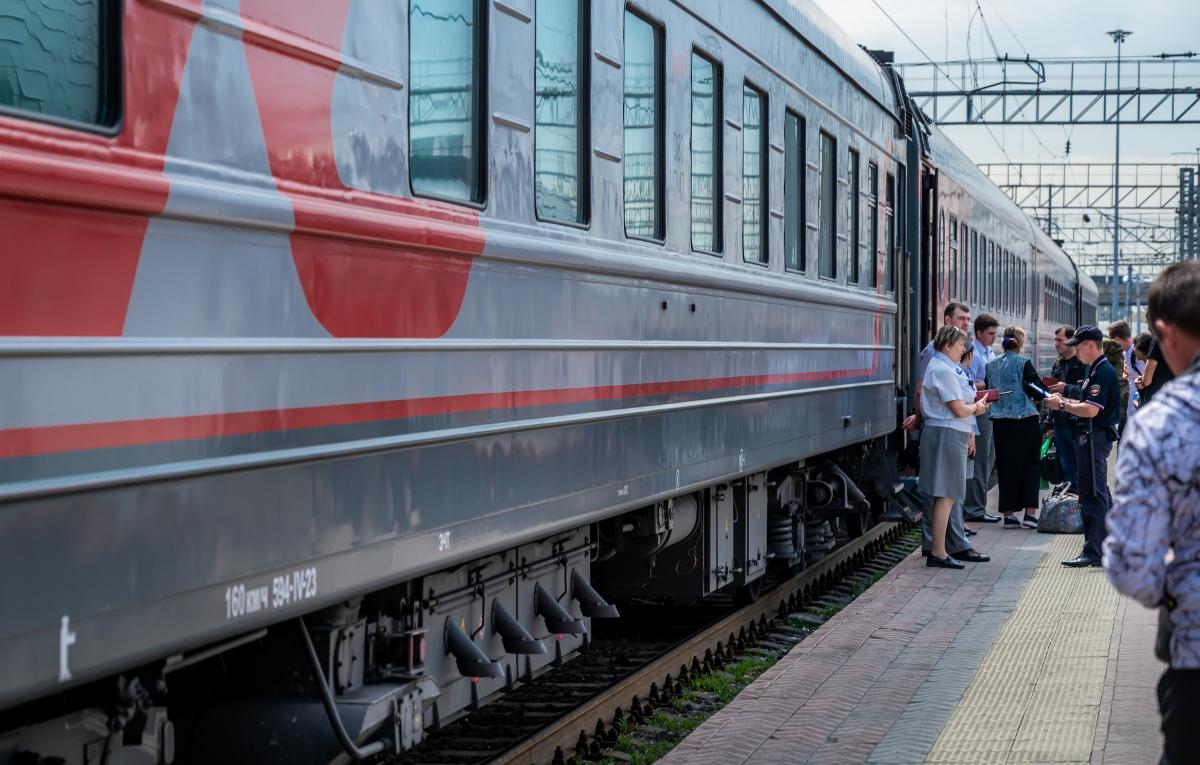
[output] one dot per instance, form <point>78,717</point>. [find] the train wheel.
<point>746,594</point>
<point>858,523</point>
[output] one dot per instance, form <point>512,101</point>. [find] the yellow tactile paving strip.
<point>1037,694</point>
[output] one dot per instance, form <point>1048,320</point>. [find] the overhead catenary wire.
<point>938,67</point>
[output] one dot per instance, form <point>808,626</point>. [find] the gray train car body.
<point>326,371</point>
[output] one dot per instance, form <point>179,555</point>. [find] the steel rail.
<point>561,735</point>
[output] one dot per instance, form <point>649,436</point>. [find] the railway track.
<point>575,711</point>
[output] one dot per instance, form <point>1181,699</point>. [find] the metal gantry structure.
<point>1123,223</point>
<point>1073,202</point>
<point>1057,91</point>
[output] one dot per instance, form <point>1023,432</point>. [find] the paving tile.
<point>1014,661</point>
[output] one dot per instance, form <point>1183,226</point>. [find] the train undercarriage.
<point>375,673</point>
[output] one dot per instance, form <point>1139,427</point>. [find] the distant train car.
<point>363,353</point>
<point>992,257</point>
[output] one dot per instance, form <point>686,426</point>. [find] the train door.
<point>929,249</point>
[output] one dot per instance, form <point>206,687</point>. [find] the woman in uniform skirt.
<point>948,425</point>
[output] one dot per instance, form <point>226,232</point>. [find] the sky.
<point>1043,28</point>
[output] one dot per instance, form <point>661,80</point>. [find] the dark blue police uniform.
<point>1094,438</point>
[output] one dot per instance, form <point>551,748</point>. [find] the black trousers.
<point>1179,704</point>
<point>1094,496</point>
<point>1018,449</point>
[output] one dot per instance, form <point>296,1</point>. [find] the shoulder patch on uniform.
<point>1094,390</point>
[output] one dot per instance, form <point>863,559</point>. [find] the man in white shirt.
<point>984,476</point>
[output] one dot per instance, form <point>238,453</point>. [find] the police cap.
<point>1086,332</point>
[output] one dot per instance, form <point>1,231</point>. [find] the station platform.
<point>1018,660</point>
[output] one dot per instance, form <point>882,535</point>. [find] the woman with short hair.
<point>1015,430</point>
<point>948,424</point>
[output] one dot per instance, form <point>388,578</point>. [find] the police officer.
<point>1095,406</point>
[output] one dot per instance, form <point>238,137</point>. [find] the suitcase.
<point>1060,513</point>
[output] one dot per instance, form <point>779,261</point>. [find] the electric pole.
<point>1118,36</point>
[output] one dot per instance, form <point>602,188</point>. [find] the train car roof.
<point>950,159</point>
<point>829,41</point>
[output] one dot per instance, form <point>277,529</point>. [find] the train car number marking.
<point>443,541</point>
<point>294,586</point>
<point>623,491</point>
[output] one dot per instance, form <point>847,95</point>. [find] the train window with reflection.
<point>964,257</point>
<point>889,234</point>
<point>560,114</point>
<point>993,276</point>
<point>643,121</point>
<point>754,174</point>
<point>873,224</point>
<point>985,273</point>
<point>951,272</point>
<point>445,99</point>
<point>60,61</point>
<point>795,219</point>
<point>975,273</point>
<point>706,155</point>
<point>827,209</point>
<point>855,203</point>
<point>1010,282</point>
<point>1004,274</point>
<point>1014,281</point>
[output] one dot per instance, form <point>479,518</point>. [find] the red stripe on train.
<point>25,442</point>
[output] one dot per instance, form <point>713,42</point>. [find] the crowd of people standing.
<point>977,417</point>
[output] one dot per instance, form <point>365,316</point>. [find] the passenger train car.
<point>355,355</point>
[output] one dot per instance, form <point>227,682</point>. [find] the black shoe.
<point>970,532</point>
<point>970,556</point>
<point>985,518</point>
<point>1083,561</point>
<point>934,561</point>
<point>1012,522</point>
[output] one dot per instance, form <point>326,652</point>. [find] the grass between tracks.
<point>642,744</point>
<point>645,743</point>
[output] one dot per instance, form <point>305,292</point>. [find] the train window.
<point>964,256</point>
<point>827,209</point>
<point>559,156</point>
<point>445,99</point>
<point>754,174</point>
<point>853,210</point>
<point>60,61</point>
<point>951,272</point>
<point>1022,291</point>
<point>1006,281</point>
<point>795,228</point>
<point>985,277</point>
<point>873,224</point>
<point>643,128</point>
<point>706,155</point>
<point>1012,282</point>
<point>1002,256</point>
<point>976,273</point>
<point>989,270</point>
<point>889,234</point>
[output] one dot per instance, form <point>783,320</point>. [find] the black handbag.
<point>1050,467</point>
